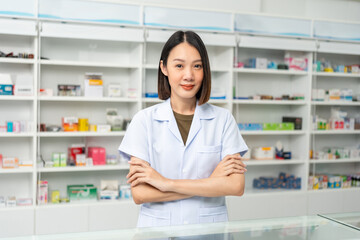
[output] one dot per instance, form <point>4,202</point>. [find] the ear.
<point>163,68</point>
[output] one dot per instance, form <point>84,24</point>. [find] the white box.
<point>93,90</point>
<point>263,153</point>
<point>103,128</point>
<point>261,63</point>
<point>114,90</point>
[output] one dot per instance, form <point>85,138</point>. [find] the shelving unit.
<point>129,55</point>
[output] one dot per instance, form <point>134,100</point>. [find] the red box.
<point>98,155</point>
<point>73,151</point>
<point>1,160</point>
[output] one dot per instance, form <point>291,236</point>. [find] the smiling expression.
<point>184,70</point>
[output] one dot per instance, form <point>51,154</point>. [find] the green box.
<point>56,159</point>
<point>287,126</point>
<point>270,126</point>
<point>85,192</point>
<point>63,159</point>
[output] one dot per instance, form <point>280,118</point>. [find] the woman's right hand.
<point>229,165</point>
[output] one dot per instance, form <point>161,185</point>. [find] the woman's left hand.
<point>141,172</point>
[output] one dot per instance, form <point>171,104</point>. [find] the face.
<point>185,72</point>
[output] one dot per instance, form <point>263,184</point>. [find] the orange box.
<point>70,124</point>
<point>10,162</point>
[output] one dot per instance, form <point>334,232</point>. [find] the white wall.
<point>344,10</point>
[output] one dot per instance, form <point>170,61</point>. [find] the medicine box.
<point>74,150</point>
<point>270,126</point>
<point>24,202</point>
<point>98,155</point>
<point>263,153</point>
<point>250,126</point>
<point>259,63</point>
<point>114,90</point>
<point>10,162</point>
<point>93,88</point>
<point>11,202</point>
<point>297,121</point>
<point>82,192</point>
<point>70,124</point>
<point>42,192</point>
<point>63,160</point>
<point>56,159</point>
<point>6,89</point>
<point>286,126</point>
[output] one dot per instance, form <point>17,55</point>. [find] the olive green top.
<point>184,123</point>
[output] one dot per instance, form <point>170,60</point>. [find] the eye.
<point>198,66</point>
<point>178,66</point>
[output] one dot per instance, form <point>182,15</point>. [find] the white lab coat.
<point>153,136</point>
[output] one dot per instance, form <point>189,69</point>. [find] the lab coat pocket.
<point>213,214</point>
<point>207,158</point>
<point>153,218</point>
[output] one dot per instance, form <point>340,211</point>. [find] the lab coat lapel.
<point>202,112</point>
<point>166,115</point>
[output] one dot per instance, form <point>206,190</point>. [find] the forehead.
<point>183,51</point>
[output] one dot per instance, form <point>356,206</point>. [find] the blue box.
<point>6,89</point>
<point>250,126</point>
<point>151,95</point>
<point>9,126</point>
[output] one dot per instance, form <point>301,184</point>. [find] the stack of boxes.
<point>284,181</point>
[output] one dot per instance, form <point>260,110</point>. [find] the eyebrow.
<point>181,60</point>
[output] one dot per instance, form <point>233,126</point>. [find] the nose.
<point>188,74</point>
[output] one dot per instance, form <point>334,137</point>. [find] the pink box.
<point>98,155</point>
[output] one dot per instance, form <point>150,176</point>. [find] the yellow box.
<point>55,197</point>
<point>93,128</point>
<point>83,125</point>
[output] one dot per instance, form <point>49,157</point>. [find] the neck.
<point>183,106</point>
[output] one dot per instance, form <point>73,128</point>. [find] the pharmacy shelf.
<point>17,208</point>
<point>81,134</point>
<point>87,204</point>
<point>85,64</point>
<point>294,132</point>
<point>17,60</point>
<point>270,102</point>
<point>344,160</point>
<point>270,71</point>
<point>85,169</point>
<point>273,162</point>
<point>218,101</point>
<point>152,100</point>
<point>16,98</point>
<point>335,103</point>
<point>351,189</point>
<point>22,134</point>
<point>16,170</point>
<point>268,192</point>
<point>87,99</point>
<point>334,74</point>
<point>330,132</point>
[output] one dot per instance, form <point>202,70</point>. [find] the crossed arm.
<point>147,185</point>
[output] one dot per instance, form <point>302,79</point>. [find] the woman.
<point>185,153</point>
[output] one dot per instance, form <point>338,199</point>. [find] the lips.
<point>187,86</point>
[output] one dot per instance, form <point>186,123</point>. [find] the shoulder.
<point>219,112</point>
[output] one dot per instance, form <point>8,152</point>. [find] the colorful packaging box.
<point>85,192</point>
<point>271,126</point>
<point>43,192</point>
<point>70,124</point>
<point>98,154</point>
